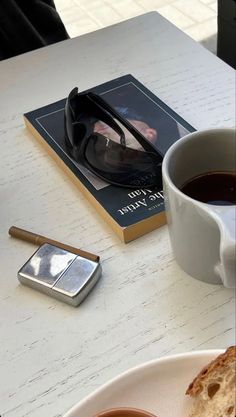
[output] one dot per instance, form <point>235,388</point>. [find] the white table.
<point>145,306</point>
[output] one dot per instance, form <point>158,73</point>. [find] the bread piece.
<point>214,388</point>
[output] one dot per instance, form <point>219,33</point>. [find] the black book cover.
<point>131,213</point>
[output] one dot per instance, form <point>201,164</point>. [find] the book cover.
<point>130,212</point>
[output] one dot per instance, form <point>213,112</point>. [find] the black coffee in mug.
<point>218,188</point>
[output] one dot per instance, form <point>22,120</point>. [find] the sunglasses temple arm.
<point>98,112</point>
<point>96,109</point>
<point>138,136</point>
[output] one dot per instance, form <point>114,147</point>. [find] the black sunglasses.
<point>113,162</point>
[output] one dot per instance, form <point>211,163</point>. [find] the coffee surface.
<point>218,188</point>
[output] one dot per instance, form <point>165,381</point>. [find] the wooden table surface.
<point>144,306</point>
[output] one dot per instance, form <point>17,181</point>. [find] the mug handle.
<point>226,220</point>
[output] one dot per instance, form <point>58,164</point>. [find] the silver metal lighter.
<point>60,273</point>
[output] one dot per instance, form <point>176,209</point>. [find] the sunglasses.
<point>112,161</point>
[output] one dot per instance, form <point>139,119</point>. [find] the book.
<point>130,212</point>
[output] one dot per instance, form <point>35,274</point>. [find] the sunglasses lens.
<point>123,166</point>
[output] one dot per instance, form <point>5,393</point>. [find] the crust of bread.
<point>220,362</point>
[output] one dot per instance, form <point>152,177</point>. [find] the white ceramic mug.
<point>203,236</point>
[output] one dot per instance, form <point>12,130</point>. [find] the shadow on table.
<point>210,43</point>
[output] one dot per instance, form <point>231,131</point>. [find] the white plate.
<point>158,386</point>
